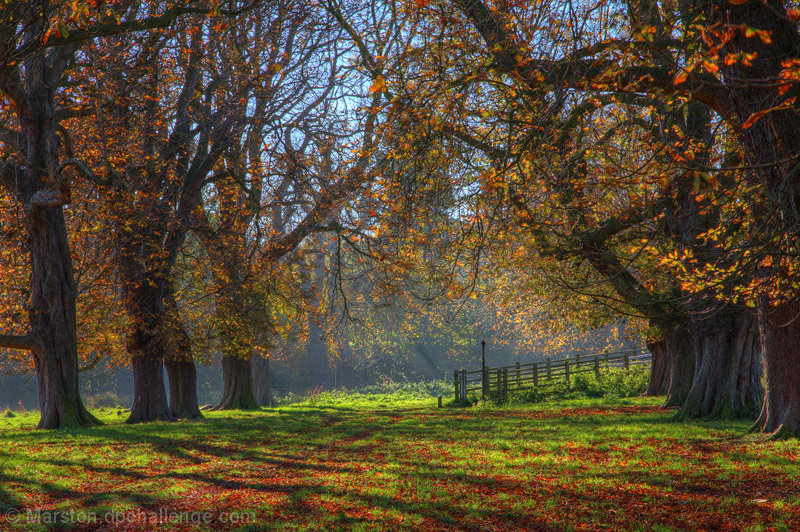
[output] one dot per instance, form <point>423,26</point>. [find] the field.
<point>390,463</point>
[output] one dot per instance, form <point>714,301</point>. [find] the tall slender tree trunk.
<point>315,357</point>
<point>660,370</point>
<point>780,337</point>
<point>727,383</point>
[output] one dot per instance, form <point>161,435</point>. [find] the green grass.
<point>398,462</point>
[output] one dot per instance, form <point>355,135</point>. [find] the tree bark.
<point>158,339</point>
<point>780,330</point>
<point>182,377</point>
<point>53,324</point>
<point>178,359</point>
<point>262,380</point>
<point>33,179</point>
<point>771,145</point>
<point>678,344</point>
<point>727,383</point>
<point>146,338</point>
<point>147,362</point>
<point>660,370</point>
<point>237,375</point>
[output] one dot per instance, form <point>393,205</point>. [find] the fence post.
<point>549,370</point>
<point>463,385</point>
<point>566,370</point>
<point>535,374</point>
<point>577,361</point>
<point>456,385</point>
<point>607,362</point>
<point>484,374</point>
<point>597,367</point>
<point>627,360</point>
<point>519,381</point>
<point>505,385</point>
<point>499,384</point>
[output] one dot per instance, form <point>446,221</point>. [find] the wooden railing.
<point>499,381</point>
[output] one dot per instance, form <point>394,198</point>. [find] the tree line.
<point>615,158</point>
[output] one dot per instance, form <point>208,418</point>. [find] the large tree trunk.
<point>660,370</point>
<point>53,323</point>
<point>727,383</point>
<point>147,362</point>
<point>145,343</point>
<point>157,341</point>
<point>237,375</point>
<point>780,331</point>
<point>178,359</point>
<point>31,175</point>
<point>182,377</point>
<point>771,147</point>
<point>262,380</point>
<point>679,346</point>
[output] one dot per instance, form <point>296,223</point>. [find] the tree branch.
<point>110,29</point>
<point>85,171</point>
<point>588,74</point>
<point>10,341</point>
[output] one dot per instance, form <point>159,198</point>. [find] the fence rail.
<point>499,381</point>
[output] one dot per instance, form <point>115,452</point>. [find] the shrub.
<point>107,399</point>
<point>386,391</point>
<point>613,382</point>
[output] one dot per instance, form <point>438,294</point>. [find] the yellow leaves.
<point>379,85</point>
<point>646,33</point>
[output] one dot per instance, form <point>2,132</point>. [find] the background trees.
<point>628,159</point>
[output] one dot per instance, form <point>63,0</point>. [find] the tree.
<point>581,210</point>
<point>33,172</point>
<point>152,184</point>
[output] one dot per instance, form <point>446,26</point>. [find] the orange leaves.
<point>764,35</point>
<point>790,73</point>
<point>379,85</point>
<point>753,118</point>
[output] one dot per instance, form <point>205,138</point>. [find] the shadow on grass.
<point>349,442</point>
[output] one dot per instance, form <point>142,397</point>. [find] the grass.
<point>397,462</point>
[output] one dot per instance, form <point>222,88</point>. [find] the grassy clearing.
<point>334,463</point>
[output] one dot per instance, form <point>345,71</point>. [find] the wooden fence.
<point>501,380</point>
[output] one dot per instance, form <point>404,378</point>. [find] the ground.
<point>375,463</point>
